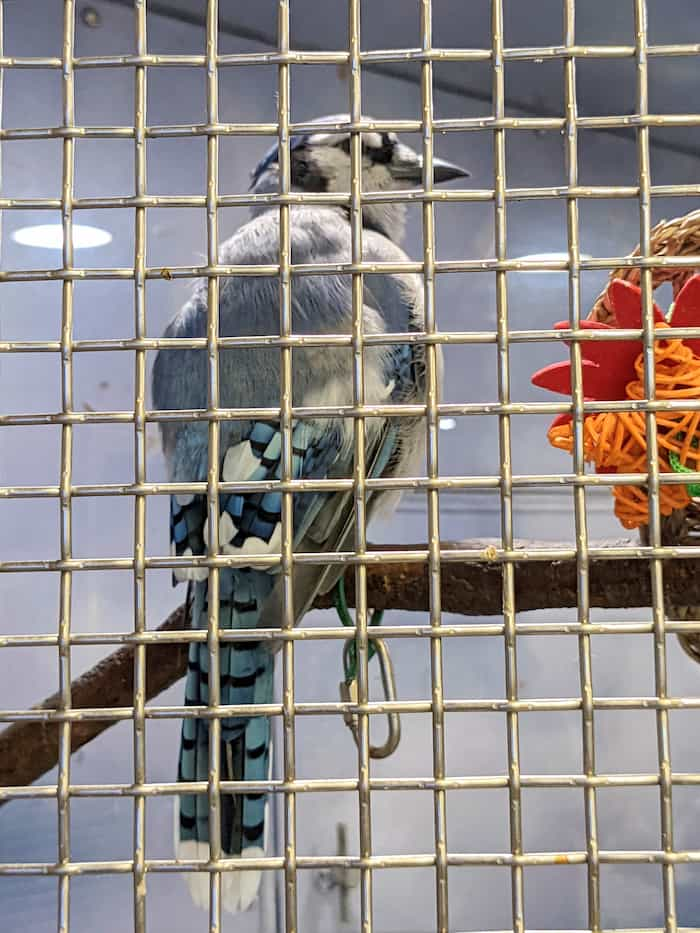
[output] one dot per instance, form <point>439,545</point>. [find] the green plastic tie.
<point>678,467</point>
<point>350,657</point>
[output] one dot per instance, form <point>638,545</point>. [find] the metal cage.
<point>517,859</point>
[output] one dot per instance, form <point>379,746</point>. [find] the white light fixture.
<point>447,424</point>
<point>549,257</point>
<point>50,236</point>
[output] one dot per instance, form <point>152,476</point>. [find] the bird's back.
<point>249,305</point>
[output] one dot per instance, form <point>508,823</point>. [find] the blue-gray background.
<point>474,667</point>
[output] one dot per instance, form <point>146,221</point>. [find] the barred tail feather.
<point>246,676</point>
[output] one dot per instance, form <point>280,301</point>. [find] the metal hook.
<point>348,694</point>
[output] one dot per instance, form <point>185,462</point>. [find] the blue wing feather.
<point>246,668</point>
<point>315,449</point>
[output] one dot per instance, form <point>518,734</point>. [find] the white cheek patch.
<point>333,165</point>
<point>185,499</point>
<point>239,463</point>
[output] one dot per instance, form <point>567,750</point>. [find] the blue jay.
<point>250,450</point>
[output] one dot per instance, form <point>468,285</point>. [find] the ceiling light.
<point>447,424</point>
<point>548,257</point>
<point>50,236</point>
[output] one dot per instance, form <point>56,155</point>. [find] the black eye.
<point>385,151</point>
<point>300,167</point>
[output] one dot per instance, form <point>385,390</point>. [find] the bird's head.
<point>320,162</point>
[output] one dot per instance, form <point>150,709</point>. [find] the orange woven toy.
<point>616,441</point>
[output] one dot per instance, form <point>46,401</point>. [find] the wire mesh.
<point>503,337</point>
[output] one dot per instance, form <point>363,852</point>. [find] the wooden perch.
<point>30,749</point>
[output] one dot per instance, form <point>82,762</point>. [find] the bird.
<point>250,450</point>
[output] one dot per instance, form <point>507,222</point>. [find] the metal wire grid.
<point>656,567</point>
<point>64,620</point>
<point>666,856</point>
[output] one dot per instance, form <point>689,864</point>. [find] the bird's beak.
<point>408,166</point>
<point>446,171</point>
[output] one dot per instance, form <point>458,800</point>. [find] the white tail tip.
<point>238,888</point>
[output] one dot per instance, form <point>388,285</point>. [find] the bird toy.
<point>616,441</point>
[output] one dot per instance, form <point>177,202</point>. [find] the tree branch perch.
<point>30,749</point>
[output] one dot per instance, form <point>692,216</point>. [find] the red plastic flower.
<point>608,366</point>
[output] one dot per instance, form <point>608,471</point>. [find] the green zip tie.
<point>341,607</point>
<point>678,467</point>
